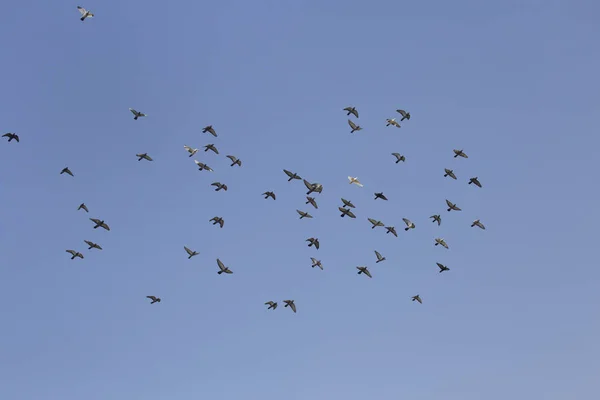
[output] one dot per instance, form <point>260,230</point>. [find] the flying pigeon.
<point>11,136</point>
<point>291,304</point>
<point>82,206</point>
<point>84,13</point>
<point>364,270</point>
<point>272,305</point>
<point>154,299</point>
<point>234,161</point>
<point>346,211</point>
<point>223,268</point>
<point>392,121</point>
<point>311,201</point>
<point>144,156</point>
<point>99,223</point>
<point>375,223</point>
<point>392,230</point>
<point>355,181</point>
<point>313,242</point>
<point>475,181</point>
<point>441,242</point>
<point>405,115</point>
<point>478,224</point>
<point>449,173</point>
<point>409,224</point>
<point>380,258</point>
<point>460,153</point>
<point>399,157</point>
<point>380,195</point>
<point>417,298</point>
<point>303,214</point>
<point>210,130</point>
<point>442,267</point>
<point>316,263</point>
<point>203,167</point>
<point>437,218</point>
<point>291,175</point>
<point>219,186</point>
<point>92,245</point>
<point>217,220</point>
<point>211,147</point>
<point>191,253</point>
<point>75,254</point>
<point>347,203</point>
<point>354,126</point>
<point>351,110</point>
<point>66,170</point>
<point>313,187</point>
<point>136,114</point>
<point>269,194</point>
<point>452,206</point>
<point>190,150</point>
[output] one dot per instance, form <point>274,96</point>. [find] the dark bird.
<point>478,224</point>
<point>143,156</point>
<point>291,175</point>
<point>441,242</point>
<point>11,136</point>
<point>211,147</point>
<point>364,270</point>
<point>313,187</point>
<point>452,206</point>
<point>392,121</point>
<point>234,161</point>
<point>304,214</point>
<point>475,181</point>
<point>409,224</point>
<point>351,110</point>
<point>272,305</point>
<point>223,268</point>
<point>66,170</point>
<point>269,194</point>
<point>92,245</point>
<point>460,153</point>
<point>375,223</point>
<point>75,254</point>
<point>219,186</point>
<point>191,253</point>
<point>316,263</point>
<point>380,195</point>
<point>354,126</point>
<point>346,212</point>
<point>311,201</point>
<point>99,223</point>
<point>392,230</point>
<point>210,130</point>
<point>436,218</point>
<point>217,220</point>
<point>313,242</point>
<point>442,267</point>
<point>405,115</point>
<point>449,173</point>
<point>380,258</point>
<point>399,157</point>
<point>291,304</point>
<point>347,203</point>
<point>203,167</point>
<point>154,299</point>
<point>136,114</point>
<point>417,298</point>
<point>82,206</point>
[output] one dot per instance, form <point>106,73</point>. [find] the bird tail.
<point>445,175</point>
<point>89,248</point>
<point>470,182</point>
<point>220,272</point>
<point>289,180</point>
<point>449,209</point>
<point>82,18</point>
<point>406,229</point>
<point>72,258</point>
<point>342,215</point>
<point>136,117</point>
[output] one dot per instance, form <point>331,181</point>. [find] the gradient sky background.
<point>514,83</point>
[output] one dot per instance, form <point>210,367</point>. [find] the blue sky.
<point>514,83</point>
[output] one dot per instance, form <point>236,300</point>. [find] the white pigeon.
<point>190,150</point>
<point>355,181</point>
<point>84,13</point>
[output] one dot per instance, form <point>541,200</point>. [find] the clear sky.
<point>513,83</point>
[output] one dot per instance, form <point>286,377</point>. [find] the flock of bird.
<point>346,209</point>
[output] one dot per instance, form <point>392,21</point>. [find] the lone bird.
<point>154,299</point>
<point>392,121</point>
<point>272,305</point>
<point>234,161</point>
<point>475,181</point>
<point>355,181</point>
<point>442,267</point>
<point>82,206</point>
<point>304,214</point>
<point>223,268</point>
<point>347,203</point>
<point>211,147</point>
<point>409,224</point>
<point>452,206</point>
<point>436,218</point>
<point>392,230</point>
<point>84,13</point>
<point>316,263</point>
<point>190,150</point>
<point>405,115</point>
<point>346,212</point>
<point>75,254</point>
<point>354,126</point>
<point>11,136</point>
<point>210,130</point>
<point>313,187</point>
<point>269,194</point>
<point>311,201</point>
<point>417,298</point>
<point>291,175</point>
<point>136,114</point>
<point>375,223</point>
<point>478,224</point>
<point>449,173</point>
<point>191,253</point>
<point>460,153</point>
<point>291,304</point>
<point>441,242</point>
<point>313,242</point>
<point>380,258</point>
<point>351,110</point>
<point>217,220</point>
<point>364,270</point>
<point>92,245</point>
<point>380,195</point>
<point>144,156</point>
<point>99,224</point>
<point>203,167</point>
<point>66,170</point>
<point>399,157</point>
<point>219,185</point>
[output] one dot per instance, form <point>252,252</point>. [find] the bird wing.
<point>378,255</point>
<point>350,214</point>
<point>72,252</point>
<point>81,10</point>
<point>292,306</point>
<point>449,203</point>
<point>95,220</point>
<point>188,148</point>
<point>367,273</point>
<point>152,298</point>
<point>190,252</point>
<point>401,112</point>
<point>352,124</point>
<point>407,222</point>
<point>232,158</point>
<point>419,300</point>
<point>105,226</point>
<point>222,266</point>
<point>308,185</point>
<point>288,173</point>
<point>373,221</point>
<point>147,157</point>
<point>134,112</point>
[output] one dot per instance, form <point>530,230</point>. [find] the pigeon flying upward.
<point>11,136</point>
<point>99,224</point>
<point>84,13</point>
<point>217,220</point>
<point>136,114</point>
<point>210,130</point>
<point>399,157</point>
<point>449,173</point>
<point>316,263</point>
<point>380,195</point>
<point>291,175</point>
<point>346,212</point>
<point>313,242</point>
<point>478,224</point>
<point>392,230</point>
<point>291,304</point>
<point>203,167</point>
<point>364,270</point>
<point>303,214</point>
<point>460,153</point>
<point>452,206</point>
<point>409,224</point>
<point>269,194</point>
<point>475,181</point>
<point>442,267</point>
<point>441,242</point>
<point>354,126</point>
<point>392,121</point>
<point>92,245</point>
<point>143,156</point>
<point>375,223</point>
<point>66,170</point>
<point>154,299</point>
<point>417,298</point>
<point>190,150</point>
<point>405,115</point>
<point>272,305</point>
<point>191,253</point>
<point>75,254</point>
<point>219,185</point>
<point>311,201</point>
<point>355,181</point>
<point>234,161</point>
<point>351,110</point>
<point>380,258</point>
<point>313,187</point>
<point>223,268</point>
<point>347,203</point>
<point>211,147</point>
<point>82,206</point>
<point>437,218</point>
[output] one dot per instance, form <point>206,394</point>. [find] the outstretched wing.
<point>222,266</point>
<point>352,124</point>
<point>81,10</point>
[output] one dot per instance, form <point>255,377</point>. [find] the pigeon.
<point>375,223</point>
<point>364,270</point>
<point>82,206</point>
<point>313,242</point>
<point>313,187</point>
<point>75,254</point>
<point>234,161</point>
<point>405,115</point>
<point>417,298</point>
<point>291,304</point>
<point>84,13</point>
<point>399,157</point>
<point>211,147</point>
<point>460,153</point>
<point>478,224</point>
<point>11,136</point>
<point>409,224</point>
<point>99,223</point>
<point>392,121</point>
<point>316,263</point>
<point>351,110</point>
<point>92,245</point>
<point>354,126</point>
<point>392,230</point>
<point>219,186</point>
<point>66,170</point>
<point>311,201</point>
<point>475,181</point>
<point>380,258</point>
<point>452,206</point>
<point>437,218</point>
<point>441,242</point>
<point>190,150</point>
<point>191,253</point>
<point>355,181</point>
<point>346,211</point>
<point>449,173</point>
<point>223,268</point>
<point>144,156</point>
<point>272,305</point>
<point>303,214</point>
<point>442,267</point>
<point>269,194</point>
<point>203,167</point>
<point>210,130</point>
<point>291,175</point>
<point>347,203</point>
<point>217,220</point>
<point>136,114</point>
<point>154,299</point>
<point>380,195</point>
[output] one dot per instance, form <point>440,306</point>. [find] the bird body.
<point>143,156</point>
<point>392,230</point>
<point>136,114</point>
<point>11,136</point>
<point>354,126</point>
<point>92,245</point>
<point>272,305</point>
<point>409,224</point>
<point>67,171</point>
<point>441,242</point>
<point>346,212</point>
<point>380,258</point>
<point>303,214</point>
<point>75,254</point>
<point>154,299</point>
<point>399,157</point>
<point>355,181</point>
<point>449,173</point>
<point>478,224</point>
<point>313,242</point>
<point>217,220</point>
<point>210,130</point>
<point>99,224</point>
<point>442,267</point>
<point>393,122</point>
<point>212,148</point>
<point>375,223</point>
<point>460,153</point>
<point>291,175</point>
<point>452,206</point>
<point>223,268</point>
<point>381,196</point>
<point>475,181</point>
<point>235,161</point>
<point>316,263</point>
<point>203,167</point>
<point>311,201</point>
<point>417,298</point>
<point>83,207</point>
<point>190,150</point>
<point>364,270</point>
<point>191,253</point>
<point>219,185</point>
<point>84,13</point>
<point>351,110</point>
<point>405,115</point>
<point>290,304</point>
<point>436,218</point>
<point>270,194</point>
